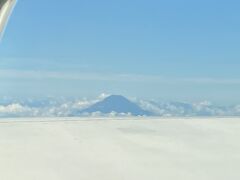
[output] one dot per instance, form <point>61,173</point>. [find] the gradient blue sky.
<point>168,50</point>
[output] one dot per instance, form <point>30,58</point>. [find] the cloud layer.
<point>52,107</point>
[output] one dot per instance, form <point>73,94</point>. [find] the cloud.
<point>180,109</point>
<point>71,107</point>
<point>12,108</point>
<point>103,96</point>
<point>121,77</point>
<point>17,110</point>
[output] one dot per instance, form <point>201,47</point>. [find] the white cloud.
<point>103,96</point>
<point>66,108</point>
<point>12,108</point>
<point>148,106</point>
<point>27,74</point>
<point>17,110</point>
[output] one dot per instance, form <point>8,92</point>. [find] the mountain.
<point>118,104</point>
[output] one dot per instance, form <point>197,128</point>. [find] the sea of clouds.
<point>69,107</point>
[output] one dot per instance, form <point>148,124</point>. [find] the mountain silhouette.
<point>118,104</point>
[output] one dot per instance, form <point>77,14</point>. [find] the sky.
<point>167,50</point>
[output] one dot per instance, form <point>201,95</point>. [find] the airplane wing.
<point>6,7</point>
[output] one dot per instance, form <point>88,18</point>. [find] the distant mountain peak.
<point>118,104</point>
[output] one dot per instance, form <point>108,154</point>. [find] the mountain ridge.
<point>118,104</point>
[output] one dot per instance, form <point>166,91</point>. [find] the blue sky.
<point>168,50</point>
